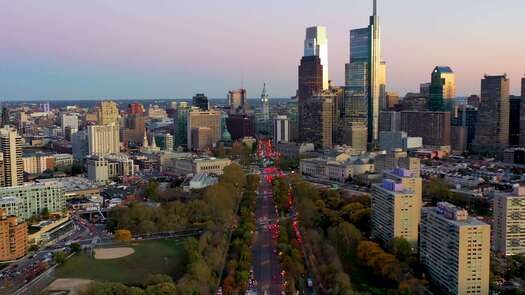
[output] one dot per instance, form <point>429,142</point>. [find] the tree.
<point>161,289</point>
<point>59,257</point>
<point>75,247</point>
<point>401,248</point>
<point>45,213</point>
<point>123,235</point>
<point>154,279</point>
<point>151,190</point>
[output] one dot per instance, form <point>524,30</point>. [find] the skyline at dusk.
<point>174,49</point>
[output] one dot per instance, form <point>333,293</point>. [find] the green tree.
<point>59,257</point>
<point>401,248</point>
<point>75,247</point>
<point>161,289</point>
<point>151,191</point>
<point>154,279</point>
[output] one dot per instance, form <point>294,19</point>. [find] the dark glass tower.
<point>201,101</point>
<point>310,84</point>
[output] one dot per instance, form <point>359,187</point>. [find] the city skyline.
<point>65,53</point>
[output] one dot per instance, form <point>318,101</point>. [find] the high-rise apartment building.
<point>13,237</point>
<point>80,146</point>
<point>201,101</point>
<point>515,106</point>
<point>134,125</point>
<point>316,44</point>
<point>29,200</point>
<point>508,235</point>
<point>11,150</point>
<point>210,119</point>
<point>281,128</point>
<point>107,113</point>
<point>455,250</point>
<point>396,207</point>
<point>103,139</point>
<point>442,88</point>
<point>492,130</point>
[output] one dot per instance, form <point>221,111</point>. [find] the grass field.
<point>150,257</point>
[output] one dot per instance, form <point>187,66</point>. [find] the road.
<point>267,267</point>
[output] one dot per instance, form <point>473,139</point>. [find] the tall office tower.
<point>316,44</point>
<point>241,125</point>
<point>5,117</point>
<point>11,150</point>
<point>473,100</point>
<point>353,134</point>
<point>492,130</point>
<point>68,120</point>
<point>466,116</point>
<point>455,250</point>
<point>374,74</point>
<point>107,113</point>
<point>265,101</point>
<point>390,121</point>
<point>226,137</point>
<point>210,119</point>
<point>515,103</point>
<point>523,87</point>
<point>383,105</point>
<point>392,100</point>
<point>201,101</point>
<point>396,207</point>
<point>317,126</point>
<point>508,235</point>
<point>356,82</point>
<point>424,88</point>
<point>237,100</point>
<point>442,88</point>
<point>281,128</point>
<point>80,146</point>
<point>433,127</point>
<point>134,125</point>
<point>310,83</point>
<point>135,108</point>
<point>181,125</point>
<point>103,139</point>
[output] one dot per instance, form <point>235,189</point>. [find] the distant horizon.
<point>61,50</point>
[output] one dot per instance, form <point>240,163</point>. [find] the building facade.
<point>13,237</point>
<point>107,113</point>
<point>281,129</point>
<point>508,233</point>
<point>209,119</point>
<point>433,127</point>
<point>442,88</point>
<point>103,139</point>
<point>11,154</point>
<point>396,207</point>
<point>455,250</point>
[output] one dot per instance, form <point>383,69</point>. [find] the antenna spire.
<point>375,8</point>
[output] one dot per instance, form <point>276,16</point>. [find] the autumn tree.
<point>123,235</point>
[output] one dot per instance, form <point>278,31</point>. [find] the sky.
<point>63,49</point>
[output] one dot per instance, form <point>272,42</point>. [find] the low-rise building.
<point>203,180</point>
<point>335,166</point>
<point>294,150</point>
<point>189,166</point>
<point>34,198</point>
<point>102,169</point>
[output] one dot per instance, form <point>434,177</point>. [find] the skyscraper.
<point>515,108</point>
<point>374,74</point>
<point>317,128</point>
<point>442,88</point>
<point>238,101</point>
<point>316,44</point>
<point>204,119</point>
<point>455,250</point>
<point>107,113</point>
<point>201,101</point>
<point>11,152</point>
<point>103,139</point>
<point>492,130</point>
<point>523,87</point>
<point>366,76</point>
<point>310,83</point>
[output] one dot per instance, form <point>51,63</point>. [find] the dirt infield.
<point>73,286</point>
<point>112,253</point>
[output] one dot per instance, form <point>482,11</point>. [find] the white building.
<point>103,139</point>
<point>335,166</point>
<point>281,128</point>
<point>68,120</point>
<point>508,234</point>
